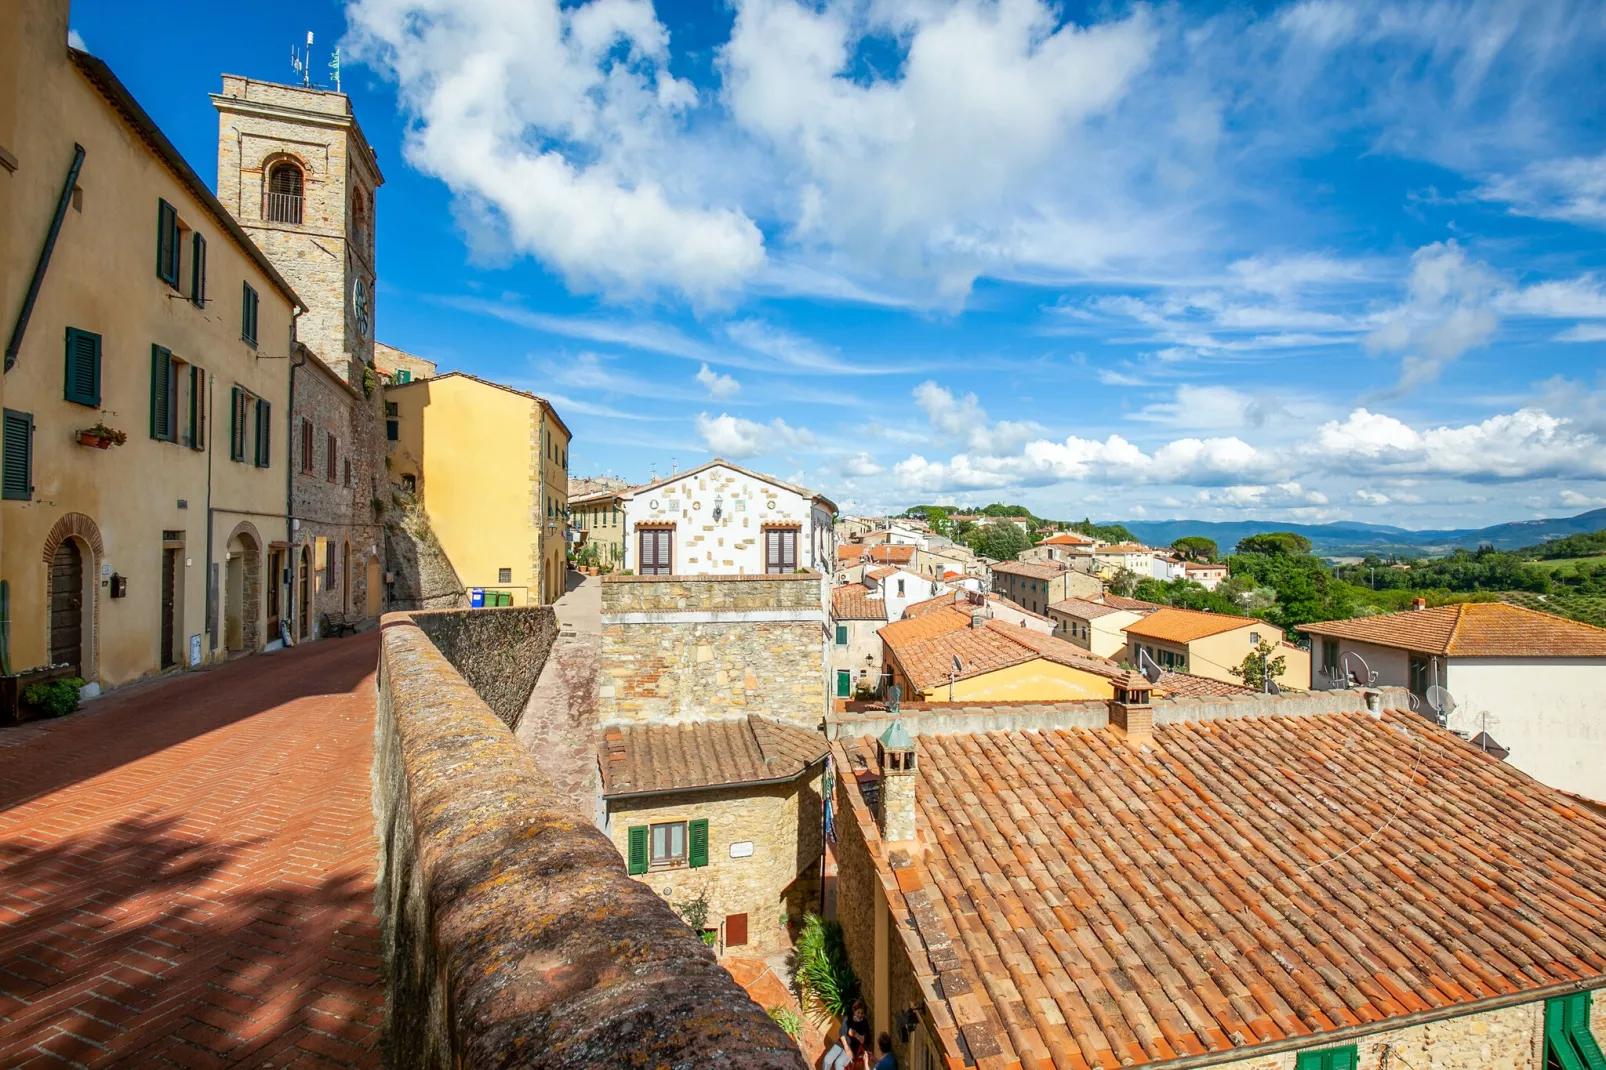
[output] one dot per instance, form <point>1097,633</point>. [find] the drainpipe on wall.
<point>291,557</point>
<point>210,623</point>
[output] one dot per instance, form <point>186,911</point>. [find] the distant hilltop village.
<point>346,726</point>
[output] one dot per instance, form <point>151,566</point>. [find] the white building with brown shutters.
<point>720,519</point>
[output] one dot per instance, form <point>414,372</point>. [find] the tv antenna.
<point>301,62</point>
<point>1148,668</point>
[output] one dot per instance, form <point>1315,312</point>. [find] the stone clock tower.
<point>295,170</point>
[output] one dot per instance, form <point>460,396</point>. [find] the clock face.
<point>359,306</point>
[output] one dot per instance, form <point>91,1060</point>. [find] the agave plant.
<point>822,972</point>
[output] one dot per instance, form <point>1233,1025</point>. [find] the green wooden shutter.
<point>198,270</point>
<point>844,683</point>
<point>264,433</point>
<point>1329,1059</point>
<point>83,368</point>
<point>197,414</point>
<point>637,859</point>
<point>16,466</point>
<point>697,842</point>
<point>167,243</point>
<point>841,635</point>
<point>161,393</point>
<point>248,314</point>
<point>236,424</point>
<point>1567,1034</point>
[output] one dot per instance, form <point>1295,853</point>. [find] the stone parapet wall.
<point>498,652</point>
<point>679,594</point>
<point>512,934</point>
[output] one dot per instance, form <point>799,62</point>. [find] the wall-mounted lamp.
<point>719,506</point>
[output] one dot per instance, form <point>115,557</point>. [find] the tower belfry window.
<point>284,193</point>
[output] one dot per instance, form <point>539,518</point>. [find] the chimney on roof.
<point>1418,604</point>
<point>1130,712</point>
<point>895,753</point>
<point>978,620</point>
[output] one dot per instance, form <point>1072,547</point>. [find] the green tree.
<point>1258,664</point>
<point>1274,542</point>
<point>1196,548</point>
<point>998,539</point>
<point>1125,583</point>
<point>1106,532</point>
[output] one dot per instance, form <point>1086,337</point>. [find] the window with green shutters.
<point>249,303</point>
<point>198,270</point>
<point>636,859</point>
<point>167,243</point>
<point>237,408</point>
<point>164,395</point>
<point>82,384</point>
<point>1328,1059</point>
<point>16,456</point>
<point>1569,1044</point>
<point>841,635</point>
<point>697,845</point>
<point>264,435</point>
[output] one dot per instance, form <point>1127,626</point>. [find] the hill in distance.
<point>1347,538</point>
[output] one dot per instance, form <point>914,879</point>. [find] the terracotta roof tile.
<point>852,601</point>
<point>883,573</point>
<point>1473,630</point>
<point>1082,609</point>
<point>1037,570</point>
<point>849,552</point>
<point>1187,685</point>
<point>1067,538</point>
<point>1173,625</point>
<point>1129,603</point>
<point>894,555</point>
<point>1235,882</point>
<point>661,757</point>
<point>926,645</point>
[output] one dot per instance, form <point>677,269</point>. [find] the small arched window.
<point>284,193</point>
<point>359,218</point>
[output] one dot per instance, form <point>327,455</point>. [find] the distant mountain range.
<point>1348,538</point>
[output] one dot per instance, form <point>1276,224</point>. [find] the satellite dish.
<point>1365,678</point>
<point>959,666</point>
<point>1272,688</point>
<point>1147,666</point>
<point>1441,702</point>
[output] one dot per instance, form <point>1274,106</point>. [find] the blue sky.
<point>1311,260</point>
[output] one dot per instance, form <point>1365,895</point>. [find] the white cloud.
<point>736,438</point>
<point>1371,497</point>
<point>1527,444</point>
<point>1213,408</point>
<point>1583,297</point>
<point>554,121</point>
<point>1576,500</point>
<point>1571,189</point>
<point>719,386</point>
<point>963,418</point>
<point>792,352</point>
<point>1583,332</point>
<point>862,464</point>
<point>1446,313</point>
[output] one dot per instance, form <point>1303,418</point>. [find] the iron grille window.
<point>284,193</point>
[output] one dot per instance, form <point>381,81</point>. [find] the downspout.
<point>292,557</point>
<point>14,346</point>
<point>211,578</point>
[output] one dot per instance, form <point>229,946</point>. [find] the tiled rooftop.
<point>1082,609</point>
<point>1036,570</point>
<point>1473,630</point>
<point>1067,538</point>
<point>1237,882</point>
<point>1173,625</point>
<point>741,750</point>
<point>883,573</point>
<point>926,645</point>
<point>852,601</point>
<point>893,555</point>
<point>849,552</point>
<point>1120,602</point>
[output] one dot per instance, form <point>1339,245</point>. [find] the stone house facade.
<point>688,648</point>
<point>1039,584</point>
<point>130,560</point>
<point>397,366</point>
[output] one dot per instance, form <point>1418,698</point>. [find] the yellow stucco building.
<point>490,466</point>
<point>951,656</point>
<point>155,316</point>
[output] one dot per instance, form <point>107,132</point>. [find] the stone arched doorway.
<point>242,590</point>
<point>72,554</point>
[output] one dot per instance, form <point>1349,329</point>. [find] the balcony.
<point>284,208</point>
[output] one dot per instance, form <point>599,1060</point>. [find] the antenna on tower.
<point>301,63</point>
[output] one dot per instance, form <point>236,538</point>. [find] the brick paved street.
<point>187,871</point>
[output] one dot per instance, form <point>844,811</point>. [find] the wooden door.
<point>371,590</point>
<point>304,595</point>
<point>67,606</point>
<point>169,608</point>
<point>272,583</point>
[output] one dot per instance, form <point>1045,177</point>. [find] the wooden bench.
<point>338,624</point>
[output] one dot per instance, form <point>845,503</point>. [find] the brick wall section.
<point>781,876</point>
<point>696,656</point>
<point>498,652</point>
<point>510,925</point>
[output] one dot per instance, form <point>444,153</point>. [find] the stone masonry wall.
<point>677,649</point>
<point>423,575</point>
<point>499,652</point>
<point>782,822</point>
<point>512,934</point>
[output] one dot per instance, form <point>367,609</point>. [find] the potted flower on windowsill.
<point>101,437</point>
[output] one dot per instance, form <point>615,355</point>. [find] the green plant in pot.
<point>56,698</point>
<point>820,966</point>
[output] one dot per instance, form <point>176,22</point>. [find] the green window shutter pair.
<point>1330,1059</point>
<point>697,843</point>
<point>16,464</point>
<point>248,314</point>
<point>198,270</point>
<point>1568,1040</point>
<point>237,404</point>
<point>264,437</point>
<point>83,368</point>
<point>636,859</point>
<point>162,391</point>
<point>167,248</point>
<point>841,635</point>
